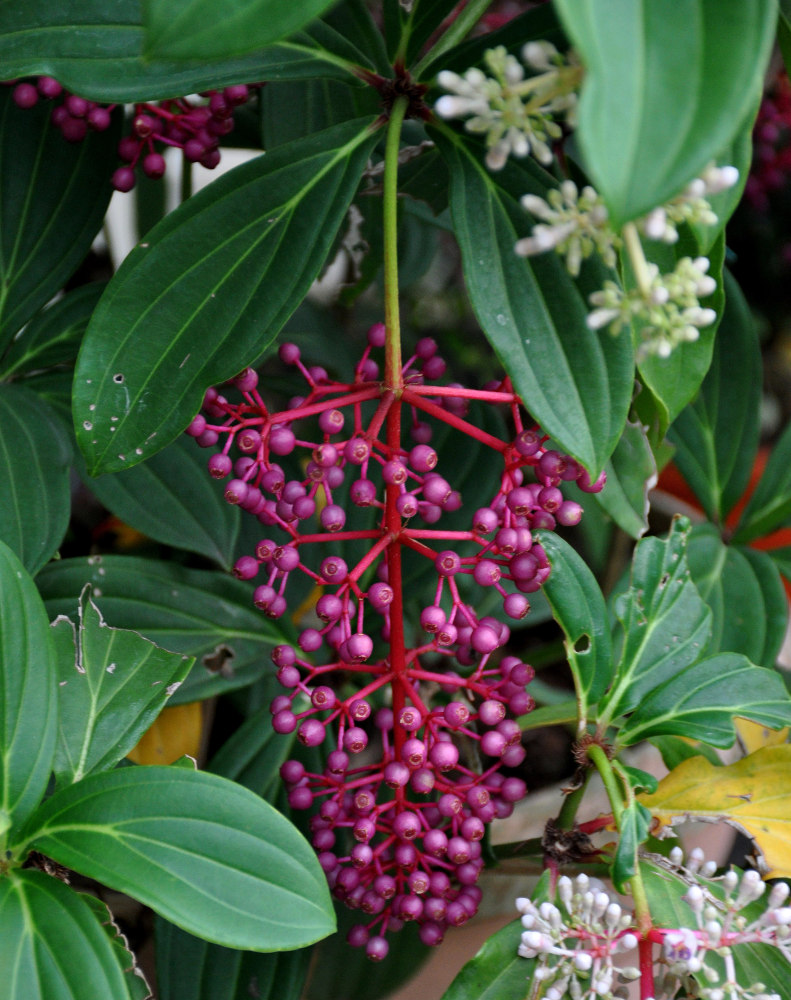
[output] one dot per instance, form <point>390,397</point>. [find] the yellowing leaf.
<point>753,736</point>
<point>176,731</point>
<point>754,795</point>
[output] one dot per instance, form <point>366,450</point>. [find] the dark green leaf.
<point>632,831</point>
<point>689,72</point>
<point>191,969</point>
<point>577,384</point>
<point>54,195</point>
<point>564,713</point>
<point>702,701</point>
<point>95,50</point>
<point>743,589</point>
<point>203,852</point>
<point>53,336</point>
<point>52,947</point>
<point>675,749</point>
<point>201,613</point>
<point>173,499</point>
<point>579,609</point>
<point>769,507</point>
<point>312,105</point>
<point>253,755</point>
<point>135,979</point>
<point>221,29</point>
<point>497,972</point>
<point>112,684</point>
<point>674,381</point>
<point>207,290</point>
<point>28,706</point>
<point>631,473</point>
<point>665,625</point>
<point>716,437</point>
<point>639,779</point>
<point>35,458</point>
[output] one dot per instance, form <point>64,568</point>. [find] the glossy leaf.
<point>202,851</point>
<point>631,474</point>
<point>112,683</point>
<point>191,969</point>
<point>770,505</point>
<point>665,625</point>
<point>53,336</point>
<point>672,382</point>
<point>198,612</point>
<point>96,50</point>
<point>207,290</point>
<point>579,608</point>
<point>577,384</point>
<point>208,29</point>
<point>54,195</point>
<point>253,755</point>
<point>716,437</point>
<point>173,499</point>
<point>751,794</point>
<point>701,702</point>
<point>28,707</point>
<point>632,831</point>
<point>35,459</point>
<point>52,946</point>
<point>697,67</point>
<point>136,981</point>
<point>744,591</point>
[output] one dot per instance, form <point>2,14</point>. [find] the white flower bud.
<point>627,942</point>
<point>583,961</point>
<point>676,856</point>
<point>778,894</point>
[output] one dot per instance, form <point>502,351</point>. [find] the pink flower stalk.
<point>419,723</point>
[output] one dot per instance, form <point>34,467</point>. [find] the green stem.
<point>608,776</point>
<point>631,240</point>
<point>568,811</point>
<point>393,379</point>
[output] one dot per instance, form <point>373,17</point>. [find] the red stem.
<point>449,418</point>
<point>646,951</point>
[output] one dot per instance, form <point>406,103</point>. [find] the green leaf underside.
<point>52,946</point>
<point>53,336</point>
<point>631,474</point>
<point>191,969</point>
<point>96,50</point>
<point>207,290</point>
<point>172,499</point>
<point>112,684</point>
<point>744,591</point>
<point>664,624</point>
<point>35,458</point>
<point>769,507</point>
<point>203,852</point>
<point>579,608</point>
<point>197,612</point>
<point>27,692</point>
<point>702,701</point>
<point>632,831</point>
<point>53,197</point>
<point>220,29</point>
<point>690,72</point>
<point>716,437</point>
<point>576,383</point>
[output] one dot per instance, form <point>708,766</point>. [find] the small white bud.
<point>627,942</point>
<point>778,894</point>
<point>583,961</point>
<point>676,856</point>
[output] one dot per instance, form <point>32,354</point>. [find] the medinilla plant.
<point>374,534</point>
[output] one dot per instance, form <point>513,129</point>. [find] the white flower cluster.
<point>666,313</point>
<point>576,941</point>
<point>718,906</point>
<point>515,112</point>
<point>575,223</point>
<point>665,308</point>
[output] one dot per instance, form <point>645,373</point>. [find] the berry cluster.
<point>192,126</point>
<point>772,146</point>
<point>418,729</point>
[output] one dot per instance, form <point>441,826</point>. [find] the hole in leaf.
<point>583,643</point>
